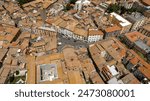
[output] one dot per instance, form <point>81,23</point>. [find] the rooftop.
<point>134,36</point>
<point>33,46</point>
<point>75,77</point>
<point>45,3</point>
<point>31,68</point>
<point>115,81</point>
<point>115,48</point>
<point>8,34</point>
<point>135,16</point>
<point>147,27</point>
<point>95,32</point>
<point>45,69</point>
<point>71,59</point>
<point>48,72</point>
<point>96,79</point>
<point>112,29</point>
<point>123,21</point>
<point>107,55</point>
<point>143,46</point>
<point>144,67</point>
<point>146,2</point>
<point>130,79</point>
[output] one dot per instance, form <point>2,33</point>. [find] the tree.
<point>73,1</point>
<point>11,79</point>
<point>68,7</point>
<point>21,2</point>
<point>114,8</point>
<point>123,10</point>
<point>17,72</point>
<point>131,10</point>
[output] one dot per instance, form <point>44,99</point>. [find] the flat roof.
<point>123,21</point>
<point>114,80</point>
<point>113,70</point>
<point>43,64</point>
<point>48,72</point>
<point>142,45</point>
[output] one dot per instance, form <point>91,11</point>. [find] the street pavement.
<point>70,41</point>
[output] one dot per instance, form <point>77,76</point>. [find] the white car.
<point>59,43</point>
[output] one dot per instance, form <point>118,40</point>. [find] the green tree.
<point>17,72</point>
<point>123,10</point>
<point>21,2</point>
<point>113,8</point>
<point>11,79</point>
<point>73,1</point>
<point>68,7</point>
<point>131,10</point>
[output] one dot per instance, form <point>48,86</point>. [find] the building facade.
<point>95,35</point>
<point>137,20</point>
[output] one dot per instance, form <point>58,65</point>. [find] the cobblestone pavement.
<point>69,41</point>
